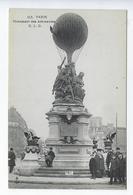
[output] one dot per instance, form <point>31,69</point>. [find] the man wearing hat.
<point>121,169</point>
<point>92,165</point>
<point>117,152</point>
<point>11,160</point>
<point>108,159</point>
<point>99,163</point>
<point>113,166</point>
<point>50,157</point>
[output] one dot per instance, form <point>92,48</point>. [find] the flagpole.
<point>116,130</point>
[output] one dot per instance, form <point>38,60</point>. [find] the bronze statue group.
<point>68,86</point>
<point>111,164</point>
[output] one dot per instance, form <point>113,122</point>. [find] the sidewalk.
<point>55,180</point>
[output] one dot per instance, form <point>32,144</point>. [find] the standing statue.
<point>78,83</point>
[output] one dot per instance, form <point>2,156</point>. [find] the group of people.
<point>111,164</point>
<point>96,164</point>
<point>116,165</point>
<point>49,157</point>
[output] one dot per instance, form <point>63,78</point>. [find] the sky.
<point>33,61</point>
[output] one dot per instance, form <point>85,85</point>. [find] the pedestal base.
<point>71,155</point>
<point>29,165</point>
<point>69,135</point>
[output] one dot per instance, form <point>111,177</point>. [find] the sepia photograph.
<point>67,114</point>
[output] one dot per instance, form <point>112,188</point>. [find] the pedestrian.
<point>108,160</point>
<point>121,169</point>
<point>11,160</point>
<point>125,167</point>
<point>118,151</point>
<point>112,169</point>
<point>92,165</point>
<point>99,163</point>
<point>50,157</point>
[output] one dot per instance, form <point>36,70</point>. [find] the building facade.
<point>100,131</point>
<point>16,128</point>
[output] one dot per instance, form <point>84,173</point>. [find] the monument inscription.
<point>68,129</point>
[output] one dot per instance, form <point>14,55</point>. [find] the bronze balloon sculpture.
<point>69,33</point>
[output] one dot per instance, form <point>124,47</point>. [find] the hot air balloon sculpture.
<point>69,33</point>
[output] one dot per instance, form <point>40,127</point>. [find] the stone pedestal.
<point>69,135</point>
<point>29,165</point>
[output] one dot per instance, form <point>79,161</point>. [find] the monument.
<point>68,118</point>
<point>108,141</point>
<point>29,165</point>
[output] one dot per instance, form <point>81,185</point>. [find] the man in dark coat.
<point>117,159</point>
<point>125,167</point>
<point>92,165</point>
<point>118,151</point>
<point>108,160</point>
<point>50,157</point>
<point>112,168</point>
<point>11,160</point>
<point>99,163</point>
<point>121,168</point>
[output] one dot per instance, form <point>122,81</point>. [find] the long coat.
<point>92,165</point>
<point>51,154</point>
<point>99,162</point>
<point>114,164</point>
<point>108,158</point>
<point>122,167</point>
<point>11,157</point>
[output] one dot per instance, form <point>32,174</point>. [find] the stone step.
<point>61,171</point>
<point>62,175</point>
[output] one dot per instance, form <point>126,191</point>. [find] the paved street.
<point>66,186</point>
<point>31,182</point>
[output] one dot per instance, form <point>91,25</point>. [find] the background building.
<point>100,131</point>
<point>95,124</point>
<point>121,139</point>
<point>16,128</point>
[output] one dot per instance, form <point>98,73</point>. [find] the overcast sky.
<point>33,61</point>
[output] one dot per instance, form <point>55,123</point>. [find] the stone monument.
<point>108,141</point>
<point>68,118</point>
<point>29,165</point>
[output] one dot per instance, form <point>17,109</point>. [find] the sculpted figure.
<point>110,137</point>
<point>32,140</point>
<point>78,83</point>
<point>68,85</point>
